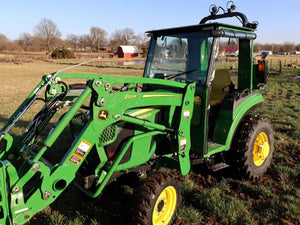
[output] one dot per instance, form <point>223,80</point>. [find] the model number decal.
<point>129,96</point>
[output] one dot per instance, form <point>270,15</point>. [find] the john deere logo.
<point>103,115</point>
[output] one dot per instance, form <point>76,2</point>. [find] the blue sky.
<point>279,21</point>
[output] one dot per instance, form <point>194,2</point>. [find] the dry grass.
<point>17,81</point>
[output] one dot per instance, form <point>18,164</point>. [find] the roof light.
<point>231,8</point>
<point>213,9</point>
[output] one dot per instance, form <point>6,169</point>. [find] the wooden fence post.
<point>280,67</point>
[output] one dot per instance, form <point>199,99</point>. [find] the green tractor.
<point>191,106</point>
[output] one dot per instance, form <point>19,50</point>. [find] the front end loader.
<point>89,129</point>
<point>113,122</point>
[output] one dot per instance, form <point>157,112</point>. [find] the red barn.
<point>126,51</point>
<point>230,51</point>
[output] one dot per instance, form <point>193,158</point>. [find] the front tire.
<point>252,147</point>
<point>157,200</point>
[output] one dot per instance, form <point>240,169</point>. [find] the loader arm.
<point>110,107</point>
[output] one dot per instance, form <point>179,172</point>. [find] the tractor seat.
<point>221,86</point>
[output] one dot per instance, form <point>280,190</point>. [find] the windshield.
<point>180,57</point>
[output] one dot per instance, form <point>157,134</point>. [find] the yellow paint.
<point>261,149</point>
<point>141,111</point>
<point>154,96</point>
<point>145,116</point>
<point>165,206</point>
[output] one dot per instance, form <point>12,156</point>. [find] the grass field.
<point>207,198</point>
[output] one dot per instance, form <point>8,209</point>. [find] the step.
<point>218,166</point>
<point>215,147</point>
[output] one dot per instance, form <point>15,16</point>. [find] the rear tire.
<point>157,200</point>
<point>252,147</point>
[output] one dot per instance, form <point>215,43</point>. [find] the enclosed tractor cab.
<point>191,106</point>
<point>224,86</point>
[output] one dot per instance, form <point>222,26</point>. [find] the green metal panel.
<point>245,65</point>
<point>141,149</point>
<point>113,168</point>
<point>9,142</point>
<point>229,120</point>
<point>205,56</point>
<point>184,129</point>
<point>236,29</point>
<point>5,217</point>
<point>199,130</point>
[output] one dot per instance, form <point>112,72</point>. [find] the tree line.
<point>286,47</point>
<point>46,36</point>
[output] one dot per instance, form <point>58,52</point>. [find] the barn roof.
<point>129,49</point>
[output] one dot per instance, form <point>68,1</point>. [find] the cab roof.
<point>200,27</point>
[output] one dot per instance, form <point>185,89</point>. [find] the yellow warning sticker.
<point>82,148</point>
<point>182,144</point>
<point>186,114</point>
<point>74,160</point>
<point>80,152</point>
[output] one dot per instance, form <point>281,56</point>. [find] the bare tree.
<point>74,40</point>
<point>288,47</point>
<point>3,42</point>
<point>85,41</point>
<point>142,40</point>
<point>122,37</point>
<point>48,33</point>
<point>25,41</point>
<point>275,47</point>
<point>98,37</point>
<point>116,39</point>
<point>128,36</point>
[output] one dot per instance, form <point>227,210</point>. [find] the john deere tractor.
<point>191,106</point>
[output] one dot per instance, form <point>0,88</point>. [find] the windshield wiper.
<point>171,76</point>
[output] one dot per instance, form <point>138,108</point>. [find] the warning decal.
<point>75,160</point>
<point>80,152</point>
<point>186,114</point>
<point>83,147</point>
<point>182,144</point>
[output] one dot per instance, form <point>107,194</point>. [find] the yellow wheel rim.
<point>165,206</point>
<point>261,149</point>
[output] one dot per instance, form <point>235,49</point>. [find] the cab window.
<point>180,57</point>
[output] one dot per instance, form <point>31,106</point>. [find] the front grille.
<point>108,135</point>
